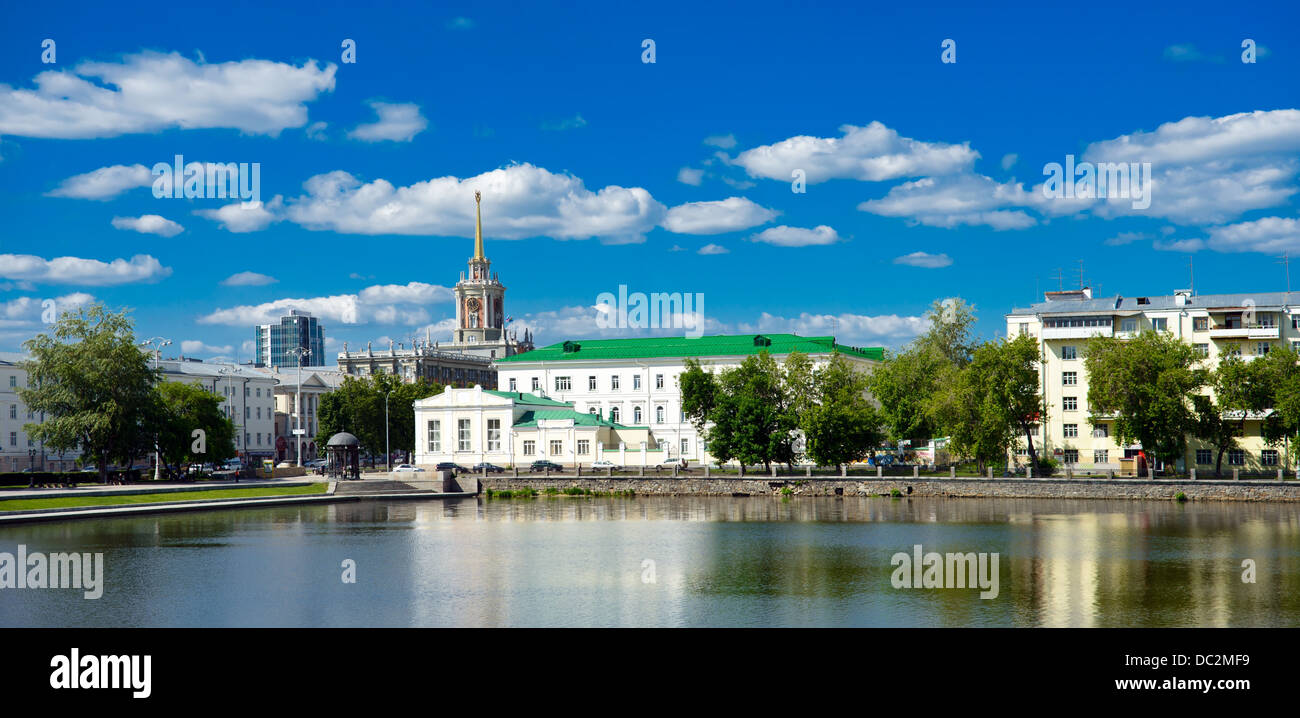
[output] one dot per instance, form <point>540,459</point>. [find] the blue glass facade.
<point>274,342</point>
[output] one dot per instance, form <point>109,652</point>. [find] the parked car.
<point>284,465</point>
<point>603,464</point>
<point>544,465</point>
<point>670,463</point>
<point>489,468</point>
<point>451,466</point>
<point>317,463</point>
<point>406,469</point>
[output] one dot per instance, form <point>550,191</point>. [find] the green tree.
<point>94,387</point>
<point>750,419</point>
<point>1146,383</point>
<point>185,409</point>
<point>839,423</point>
<point>699,394</point>
<point>357,407</point>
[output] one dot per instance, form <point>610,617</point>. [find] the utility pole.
<point>299,352</point>
<point>388,454</point>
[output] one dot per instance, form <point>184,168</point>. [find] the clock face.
<point>473,304</point>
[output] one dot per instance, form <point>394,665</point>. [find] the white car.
<point>670,463</point>
<point>404,468</point>
<point>603,464</point>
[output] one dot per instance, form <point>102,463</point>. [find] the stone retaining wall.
<point>966,488</point>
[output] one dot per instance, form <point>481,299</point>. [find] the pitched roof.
<point>1160,303</point>
<point>520,397</point>
<point>718,345</point>
<point>530,418</point>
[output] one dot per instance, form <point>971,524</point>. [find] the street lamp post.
<point>388,454</point>
<point>157,343</point>
<point>299,352</point>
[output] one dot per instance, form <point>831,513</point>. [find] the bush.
<point>895,493</point>
<point>1180,497</point>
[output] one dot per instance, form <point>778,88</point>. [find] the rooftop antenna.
<point>1060,279</point>
<point>1080,274</point>
<point>1285,261</point>
<point>1191,276</point>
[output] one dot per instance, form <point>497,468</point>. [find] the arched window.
<point>613,414</point>
<point>636,415</point>
<point>659,414</point>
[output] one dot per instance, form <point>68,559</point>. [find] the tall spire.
<point>478,227</point>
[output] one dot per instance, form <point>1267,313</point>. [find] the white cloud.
<point>103,183</point>
<point>238,219</point>
<point>398,122</point>
<point>26,312</point>
<point>850,329</point>
<point>713,249</point>
<point>784,236</point>
<point>194,346</point>
<point>150,92</point>
<point>725,142</point>
<point>956,200</point>
<point>570,123</point>
<point>149,224</point>
<point>1124,238</point>
<point>690,176</point>
<point>728,215</point>
<point>75,270</point>
<point>924,260</point>
<point>316,130</point>
<point>519,201</point>
<point>1270,235</point>
<point>248,279</point>
<point>1009,160</point>
<point>389,304</point>
<point>872,153</point>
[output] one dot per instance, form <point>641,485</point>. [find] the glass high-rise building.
<point>299,329</point>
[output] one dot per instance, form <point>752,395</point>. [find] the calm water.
<point>717,562</point>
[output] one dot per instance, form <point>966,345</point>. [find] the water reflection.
<point>716,561</point>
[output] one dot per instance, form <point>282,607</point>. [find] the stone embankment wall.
<point>1199,490</point>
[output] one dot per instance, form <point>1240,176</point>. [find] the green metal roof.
<point>528,399</point>
<point>530,418</point>
<point>719,345</point>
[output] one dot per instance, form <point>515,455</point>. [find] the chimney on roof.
<point>1182,297</point>
<point>1077,295</point>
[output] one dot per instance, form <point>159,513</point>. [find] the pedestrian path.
<point>161,487</point>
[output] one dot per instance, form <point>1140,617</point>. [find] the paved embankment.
<point>1199,490</point>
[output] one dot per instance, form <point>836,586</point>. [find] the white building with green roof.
<point>635,380</point>
<point>473,425</point>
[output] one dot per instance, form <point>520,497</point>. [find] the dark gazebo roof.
<point>343,438</point>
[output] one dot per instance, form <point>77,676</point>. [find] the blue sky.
<point>599,169</point>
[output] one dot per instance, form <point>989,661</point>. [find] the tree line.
<point>357,407</point>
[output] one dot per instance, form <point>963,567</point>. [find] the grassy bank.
<point>64,502</point>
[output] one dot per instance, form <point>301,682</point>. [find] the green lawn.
<point>72,501</point>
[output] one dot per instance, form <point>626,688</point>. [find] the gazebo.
<point>344,456</point>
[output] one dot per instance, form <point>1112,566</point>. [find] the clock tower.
<point>480,302</point>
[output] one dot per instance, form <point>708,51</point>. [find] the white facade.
<point>315,383</point>
<point>248,396</point>
<point>19,451</point>
<point>636,392</point>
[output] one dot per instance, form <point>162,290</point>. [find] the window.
<point>1071,430</point>
<point>591,383</point>
<point>1295,347</point>
<point>1160,324</point>
<point>1268,457</point>
<point>659,415</point>
<point>614,414</point>
<point>659,381</point>
<point>537,383</point>
<point>1100,456</point>
<point>463,432</point>
<point>259,439</point>
<point>584,447</point>
<point>13,438</point>
<point>1261,348</point>
<point>1068,352</point>
<point>593,410</point>
<point>636,381</point>
<point>562,383</point>
<point>1128,325</point>
<point>1200,324</point>
<point>662,445</point>
<point>248,413</point>
<point>1232,350</point>
<point>514,385</point>
<point>1237,457</point>
<point>1070,378</point>
<point>493,434</point>
<point>1202,350</point>
<point>1101,431</point>
<point>1070,403</point>
<point>636,415</point>
<point>1204,457</point>
<point>1295,321</point>
<point>1071,456</point>
<point>1024,328</point>
<point>557,447</point>
<point>613,383</point>
<point>686,446</point>
<point>13,381</point>
<point>530,447</point>
<point>13,411</point>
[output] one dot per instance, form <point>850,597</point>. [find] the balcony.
<point>1075,332</point>
<point>1246,332</point>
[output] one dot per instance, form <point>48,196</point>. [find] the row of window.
<point>1204,457</point>
<point>565,383</point>
<point>464,439</point>
<point>616,414</point>
<point>1100,431</point>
